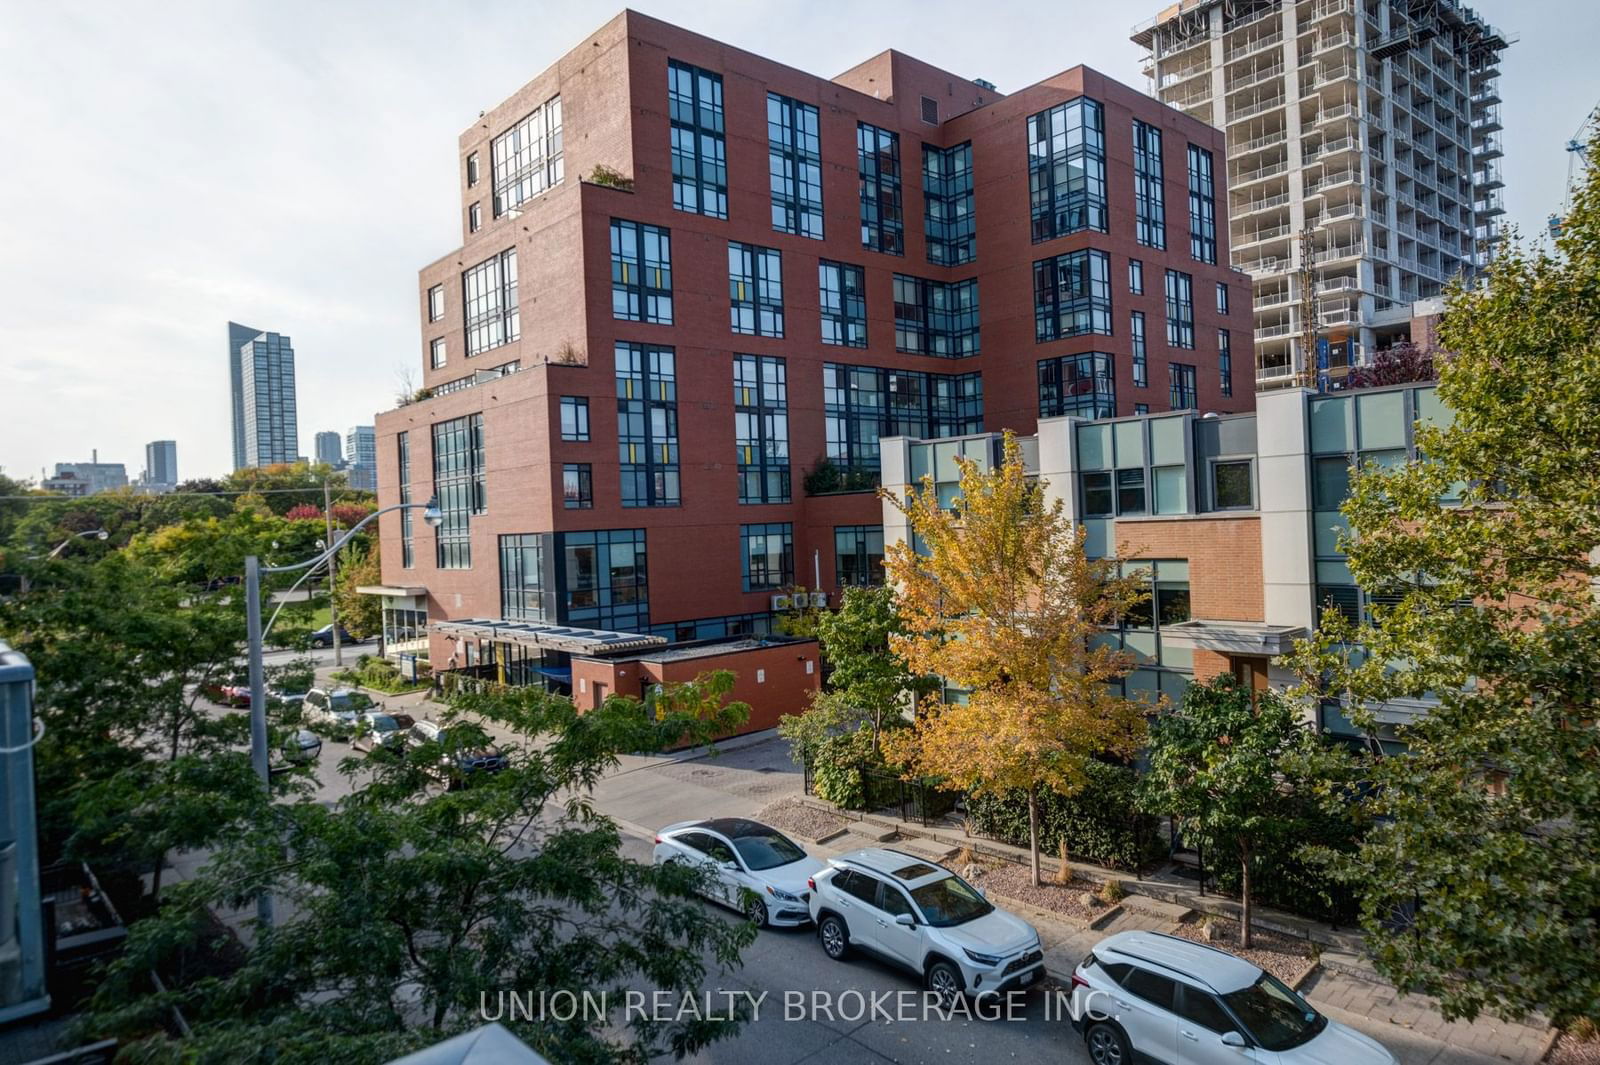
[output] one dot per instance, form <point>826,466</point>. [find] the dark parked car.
<point>323,637</point>
<point>456,765</point>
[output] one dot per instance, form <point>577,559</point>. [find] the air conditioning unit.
<point>819,599</point>
<point>781,602</point>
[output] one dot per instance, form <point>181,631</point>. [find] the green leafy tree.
<point>405,908</point>
<point>868,683</point>
<point>361,614</point>
<point>1481,877</point>
<point>1217,764</point>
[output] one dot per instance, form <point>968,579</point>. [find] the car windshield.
<point>950,901</point>
<point>383,723</point>
<point>350,702</point>
<point>1277,1017</point>
<point>767,851</point>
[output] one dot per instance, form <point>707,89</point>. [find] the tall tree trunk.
<point>1244,896</point>
<point>1033,830</point>
<point>155,880</point>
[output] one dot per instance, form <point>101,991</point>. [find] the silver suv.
<point>924,917</point>
<point>1145,996</point>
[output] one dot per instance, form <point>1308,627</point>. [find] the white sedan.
<point>755,869</point>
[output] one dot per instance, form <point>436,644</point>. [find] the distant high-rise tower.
<point>161,462</point>
<point>361,457</point>
<point>1362,148</point>
<point>330,448</point>
<point>265,429</point>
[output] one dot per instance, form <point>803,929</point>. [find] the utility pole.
<point>333,601</point>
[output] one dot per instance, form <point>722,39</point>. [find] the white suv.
<point>925,918</point>
<point>1151,997</point>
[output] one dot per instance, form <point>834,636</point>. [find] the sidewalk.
<point>1343,984</point>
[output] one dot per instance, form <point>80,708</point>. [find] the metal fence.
<point>885,791</point>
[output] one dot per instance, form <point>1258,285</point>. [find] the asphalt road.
<point>802,1029</point>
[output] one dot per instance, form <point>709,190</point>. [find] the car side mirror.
<point>730,866</point>
<point>905,919</point>
<point>1234,1039</point>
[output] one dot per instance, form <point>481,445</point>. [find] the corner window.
<point>1067,169</point>
<point>1230,486</point>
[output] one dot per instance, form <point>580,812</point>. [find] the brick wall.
<point>1224,555</point>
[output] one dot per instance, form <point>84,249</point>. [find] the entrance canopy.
<point>546,637</point>
<point>1235,637</point>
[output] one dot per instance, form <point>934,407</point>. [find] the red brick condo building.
<point>696,287</point>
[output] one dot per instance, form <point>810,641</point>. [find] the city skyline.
<point>294,246</point>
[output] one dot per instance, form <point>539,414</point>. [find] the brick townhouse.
<point>696,288</point>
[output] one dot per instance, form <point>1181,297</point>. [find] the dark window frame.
<point>882,200</point>
<point>1071,132</point>
<point>755,290</point>
<point>761,428</point>
<point>1149,187</point>
<point>1202,206</point>
<point>641,275</point>
<point>842,296</point>
<point>1090,374</point>
<point>526,160</point>
<point>698,134</point>
<point>794,163</point>
<point>647,425</point>
<point>764,581</point>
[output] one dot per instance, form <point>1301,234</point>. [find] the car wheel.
<point>1108,1046</point>
<point>944,980</point>
<point>756,910</point>
<point>835,938</point>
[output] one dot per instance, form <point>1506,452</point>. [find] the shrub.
<point>836,770</point>
<point>1112,892</point>
<point>826,478</point>
<point>1100,824</point>
<point>610,178</point>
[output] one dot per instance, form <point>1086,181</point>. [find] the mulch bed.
<point>1283,956</point>
<point>801,819</point>
<point>1016,882</point>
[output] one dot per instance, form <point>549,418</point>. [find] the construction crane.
<point>1577,164</point>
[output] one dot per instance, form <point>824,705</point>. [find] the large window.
<point>794,156</point>
<point>858,555</point>
<point>647,425</point>
<point>1225,361</point>
<point>1141,361</point>
<point>699,147</point>
<point>1160,667</point>
<point>577,486</point>
<point>947,204</point>
<point>864,403</point>
<point>761,428</point>
<point>574,417</point>
<point>1067,169</point>
<point>403,454</point>
<point>1072,295</point>
<point>766,555</point>
<point>458,486</point>
<point>936,317</point>
<point>755,290</point>
<point>1180,309</point>
<point>1184,394</point>
<point>527,157</point>
<point>522,577</point>
<point>842,289</point>
<point>641,272</point>
<point>489,301</point>
<point>1232,486</point>
<point>1080,385</point>
<point>605,579</point>
<point>878,155</point>
<point>1149,202</point>
<point>1202,207</point>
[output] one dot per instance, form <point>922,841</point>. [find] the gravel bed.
<point>1015,881</point>
<point>1569,1050</point>
<point>801,819</point>
<point>1283,956</point>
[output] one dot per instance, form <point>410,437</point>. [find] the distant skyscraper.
<point>265,429</point>
<point>161,462</point>
<point>361,457</point>
<point>330,448</point>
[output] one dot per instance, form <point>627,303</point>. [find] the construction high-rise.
<point>1362,146</point>
<point>265,424</point>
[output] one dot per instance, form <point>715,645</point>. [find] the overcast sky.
<point>290,164</point>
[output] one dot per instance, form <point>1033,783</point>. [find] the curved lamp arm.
<point>430,515</point>
<point>55,552</point>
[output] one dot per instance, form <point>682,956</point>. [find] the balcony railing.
<point>1266,203</point>
<point>1247,176</point>
<point>1256,44</point>
<point>1239,114</point>
<point>1255,77</point>
<point>1255,144</point>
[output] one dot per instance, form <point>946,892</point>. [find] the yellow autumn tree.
<point>1003,601</point>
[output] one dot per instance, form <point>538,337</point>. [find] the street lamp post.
<point>55,552</point>
<point>255,634</point>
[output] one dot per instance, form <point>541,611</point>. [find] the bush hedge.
<point>1100,824</point>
